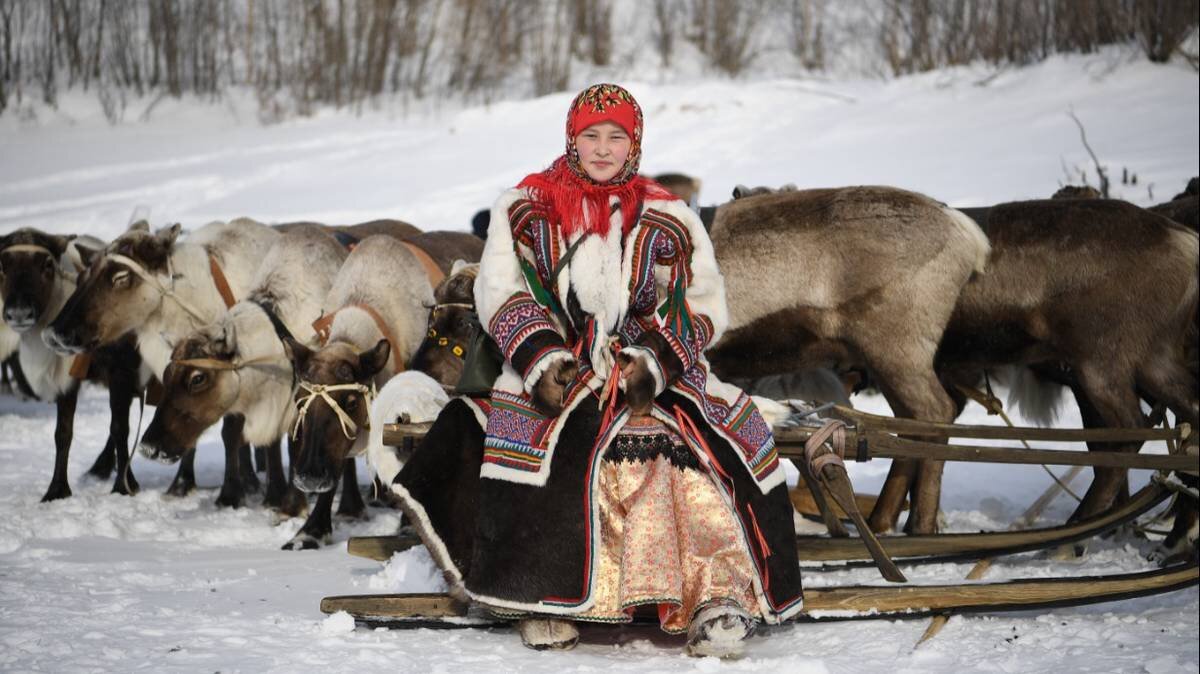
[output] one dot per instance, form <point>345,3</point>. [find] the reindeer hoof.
<point>304,541</point>
<point>180,489</point>
<point>103,467</point>
<point>56,492</point>
<point>225,500</point>
<point>127,487</point>
<point>295,503</point>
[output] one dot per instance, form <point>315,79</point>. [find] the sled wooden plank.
<point>1010,595</point>
<point>951,546</point>
<point>835,603</point>
<point>903,426</point>
<point>380,548</point>
<point>393,434</point>
<point>392,606</point>
<point>886,446</point>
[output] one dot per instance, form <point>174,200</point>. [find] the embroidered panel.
<point>515,433</point>
<point>532,232</point>
<point>741,421</point>
<point>516,320</point>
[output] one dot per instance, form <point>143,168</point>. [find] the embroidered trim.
<point>515,326</point>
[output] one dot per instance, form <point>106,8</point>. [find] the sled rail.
<point>872,438</point>
<point>834,603</point>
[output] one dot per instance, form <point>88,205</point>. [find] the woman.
<point>609,471</point>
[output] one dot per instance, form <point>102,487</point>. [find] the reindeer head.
<point>440,354</point>
<point>112,298</point>
<point>29,273</point>
<point>200,384</point>
<point>333,403</point>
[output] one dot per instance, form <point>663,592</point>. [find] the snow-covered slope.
<point>106,582</point>
<point>967,136</point>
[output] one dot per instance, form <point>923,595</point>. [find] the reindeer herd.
<point>285,331</point>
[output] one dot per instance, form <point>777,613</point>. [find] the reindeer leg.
<point>351,506</point>
<point>122,386</point>
<point>294,502</point>
<point>318,529</point>
<point>913,390</point>
<point>1173,383</point>
<point>1116,405</point>
<point>64,430</point>
<point>106,459</point>
<point>232,494</point>
<point>250,481</point>
<point>262,460</point>
<point>276,483</point>
<point>185,478</point>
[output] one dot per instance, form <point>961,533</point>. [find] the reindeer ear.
<point>167,235</point>
<point>458,266</point>
<point>740,191</point>
<point>140,226</point>
<point>371,361</point>
<point>226,342</point>
<point>297,353</point>
<point>86,255</point>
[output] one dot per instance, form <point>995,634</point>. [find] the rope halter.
<point>322,391</point>
<point>136,267</point>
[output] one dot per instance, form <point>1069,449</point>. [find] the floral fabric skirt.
<point>668,540</point>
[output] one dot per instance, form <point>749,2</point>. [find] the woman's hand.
<point>551,388</point>
<point>639,384</point>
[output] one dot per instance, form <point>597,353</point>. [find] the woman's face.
<point>603,149</point>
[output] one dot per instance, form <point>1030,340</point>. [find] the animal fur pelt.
<point>410,397</point>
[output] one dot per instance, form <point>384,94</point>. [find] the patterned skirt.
<point>668,540</point>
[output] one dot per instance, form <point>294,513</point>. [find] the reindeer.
<point>1184,207</point>
<point>37,275</point>
<point>450,325</point>
<point>374,319</point>
<point>237,366</point>
<point>1096,295</point>
<point>161,289</point>
<point>849,278</point>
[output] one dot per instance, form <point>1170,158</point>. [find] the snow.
<point>106,582</point>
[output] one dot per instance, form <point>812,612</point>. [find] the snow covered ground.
<point>102,582</point>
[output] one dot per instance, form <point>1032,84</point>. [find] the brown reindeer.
<point>237,366</point>
<point>357,232</point>
<point>161,289</point>
<point>856,277</point>
<point>37,274</point>
<point>450,326</point>
<point>1184,207</point>
<point>1097,295</point>
<point>375,318</point>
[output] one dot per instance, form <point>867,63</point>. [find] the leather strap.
<point>432,270</point>
<point>80,365</point>
<point>220,281</point>
<point>321,327</point>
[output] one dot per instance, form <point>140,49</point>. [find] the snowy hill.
<point>966,136</point>
<point>106,582</point>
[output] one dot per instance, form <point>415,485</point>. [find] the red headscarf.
<point>564,188</point>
